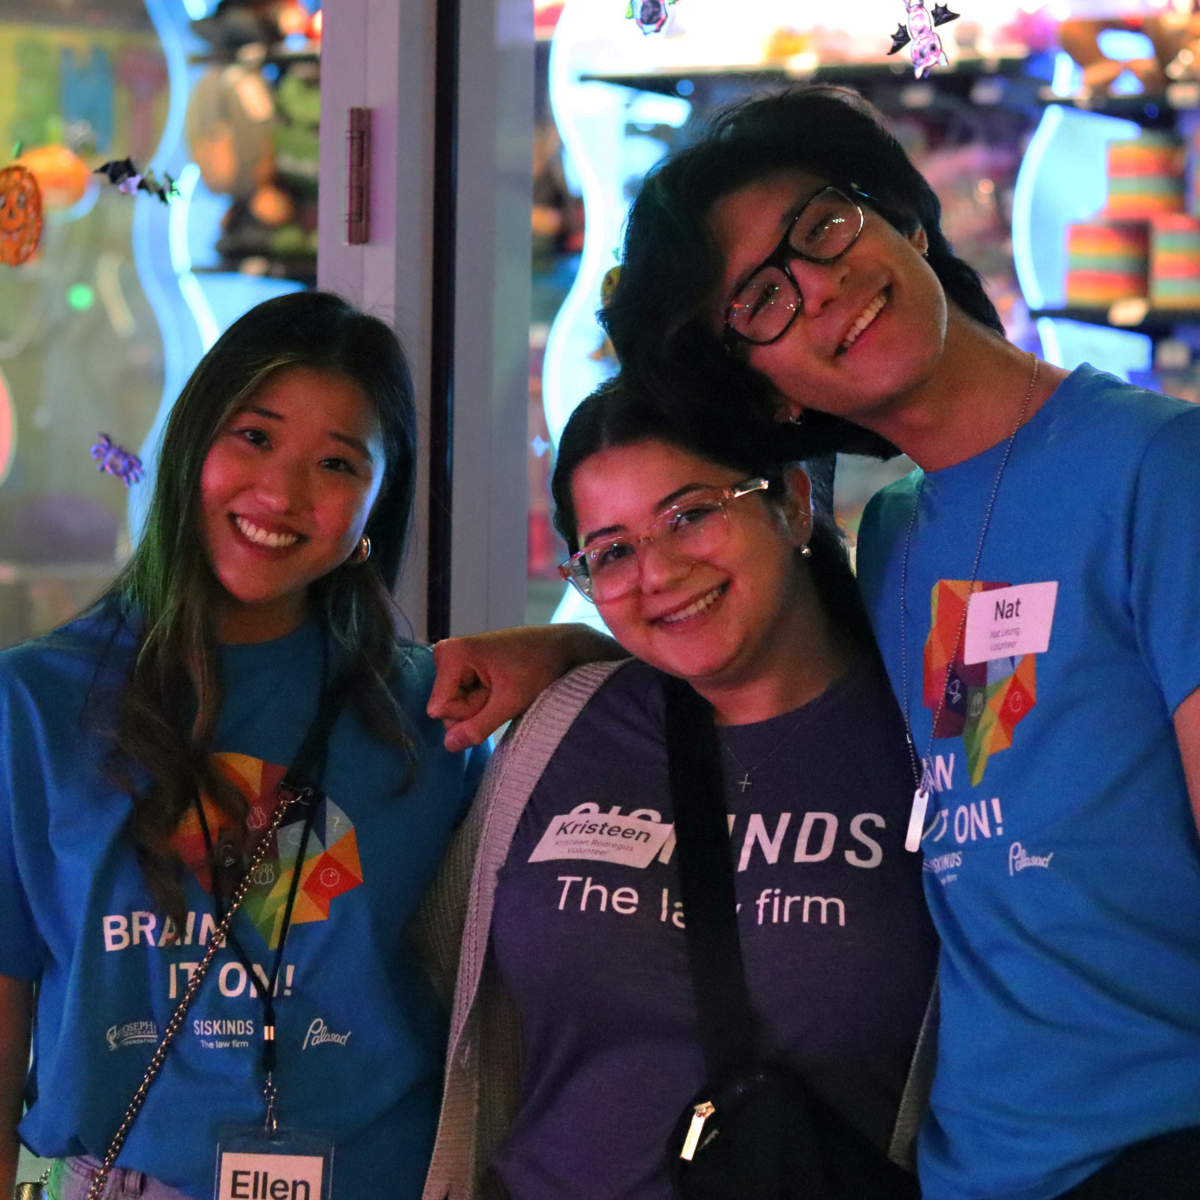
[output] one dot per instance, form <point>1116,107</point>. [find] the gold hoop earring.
<point>361,552</point>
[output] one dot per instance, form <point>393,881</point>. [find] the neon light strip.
<point>1022,209</point>
<point>181,259</point>
<point>1047,329</point>
<point>584,291</point>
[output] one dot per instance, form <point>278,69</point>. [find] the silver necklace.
<point>745,780</point>
<point>922,771</point>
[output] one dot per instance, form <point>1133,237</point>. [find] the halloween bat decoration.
<point>130,180</point>
<point>918,29</point>
<point>117,461</point>
<point>649,15</point>
<point>20,214</point>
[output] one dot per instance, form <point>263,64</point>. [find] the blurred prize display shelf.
<point>299,266</point>
<point>979,82</point>
<point>1158,112</point>
<point>1134,315</point>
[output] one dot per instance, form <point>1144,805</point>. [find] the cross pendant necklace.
<point>745,781</point>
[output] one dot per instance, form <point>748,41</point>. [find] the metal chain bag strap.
<point>308,765</point>
<point>756,1128</point>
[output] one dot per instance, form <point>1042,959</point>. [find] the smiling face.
<point>720,622</point>
<point>285,493</point>
<point>873,323</point>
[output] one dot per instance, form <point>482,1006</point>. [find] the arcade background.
<point>99,331</point>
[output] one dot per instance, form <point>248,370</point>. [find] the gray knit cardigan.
<point>484,1055</point>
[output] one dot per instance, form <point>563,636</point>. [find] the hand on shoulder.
<point>488,678</point>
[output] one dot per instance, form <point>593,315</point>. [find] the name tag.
<point>270,1177</point>
<point>1008,622</point>
<point>293,1164</point>
<point>627,840</point>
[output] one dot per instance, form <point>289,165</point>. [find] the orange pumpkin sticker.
<point>20,215</point>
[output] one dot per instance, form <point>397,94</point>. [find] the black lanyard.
<point>302,779</point>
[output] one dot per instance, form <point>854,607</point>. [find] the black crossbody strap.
<point>308,766</point>
<point>706,880</point>
<point>727,1025</point>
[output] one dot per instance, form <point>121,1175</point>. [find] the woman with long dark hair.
<point>147,751</point>
<point>1035,589</point>
<point>711,559</point>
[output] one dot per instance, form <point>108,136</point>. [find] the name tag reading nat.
<point>291,1165</point>
<point>1008,622</point>
<point>628,840</point>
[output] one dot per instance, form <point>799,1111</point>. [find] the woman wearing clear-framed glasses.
<point>706,556</point>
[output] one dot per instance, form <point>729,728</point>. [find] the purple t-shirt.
<point>839,950</point>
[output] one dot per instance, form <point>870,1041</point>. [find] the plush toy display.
<point>252,128</point>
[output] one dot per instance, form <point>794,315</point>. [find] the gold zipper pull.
<point>700,1114</point>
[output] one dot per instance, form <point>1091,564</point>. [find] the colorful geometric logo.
<point>984,702</point>
<point>331,864</point>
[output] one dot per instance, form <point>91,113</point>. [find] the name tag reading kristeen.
<point>291,1165</point>
<point>628,840</point>
<point>1008,622</point>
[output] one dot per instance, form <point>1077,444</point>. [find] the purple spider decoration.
<point>117,461</point>
<point>926,45</point>
<point>649,15</point>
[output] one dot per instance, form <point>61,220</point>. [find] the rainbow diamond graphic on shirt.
<point>331,864</point>
<point>984,702</point>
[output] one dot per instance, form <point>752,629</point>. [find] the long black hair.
<point>168,711</point>
<point>622,413</point>
<point>671,265</point>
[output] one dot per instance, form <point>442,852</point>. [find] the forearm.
<point>583,644</point>
<point>16,1008</point>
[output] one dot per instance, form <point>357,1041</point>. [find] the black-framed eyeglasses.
<point>770,300</point>
<point>688,530</point>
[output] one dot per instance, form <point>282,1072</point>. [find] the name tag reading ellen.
<point>291,1165</point>
<point>1008,622</point>
<point>628,840</point>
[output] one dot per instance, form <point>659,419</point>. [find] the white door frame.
<point>383,55</point>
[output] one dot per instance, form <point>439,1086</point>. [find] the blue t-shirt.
<point>359,1031</point>
<point>1062,862</point>
<point>838,947</point>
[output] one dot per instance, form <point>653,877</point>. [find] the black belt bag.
<point>756,1130</point>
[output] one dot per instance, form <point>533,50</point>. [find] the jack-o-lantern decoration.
<point>20,214</point>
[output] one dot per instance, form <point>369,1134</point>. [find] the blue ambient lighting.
<point>1071,343</point>
<point>1068,75</point>
<point>1124,45</point>
<point>1126,84</point>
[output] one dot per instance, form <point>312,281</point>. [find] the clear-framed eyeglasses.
<point>770,300</point>
<point>690,530</point>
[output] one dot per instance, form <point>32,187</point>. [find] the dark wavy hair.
<point>622,412</point>
<point>168,711</point>
<point>671,265</point>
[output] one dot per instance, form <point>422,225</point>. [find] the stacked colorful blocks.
<point>1106,261</point>
<point>1145,177</point>
<point>1175,262</point>
<point>1115,255</point>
